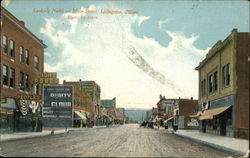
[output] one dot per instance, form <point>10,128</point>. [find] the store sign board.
<point>29,97</point>
<point>3,100</point>
<point>58,104</point>
<point>46,78</point>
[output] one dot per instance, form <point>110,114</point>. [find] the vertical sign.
<point>58,106</point>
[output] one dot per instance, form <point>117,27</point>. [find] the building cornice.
<point>26,31</point>
<point>217,48</point>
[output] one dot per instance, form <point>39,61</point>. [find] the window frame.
<point>27,83</point>
<point>26,56</point>
<point>21,83</point>
<point>12,50</point>
<point>5,46</point>
<point>21,54</point>
<point>36,64</point>
<point>12,77</point>
<point>7,76</point>
<point>226,75</point>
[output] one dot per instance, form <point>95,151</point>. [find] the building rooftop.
<point>21,25</point>
<point>217,47</point>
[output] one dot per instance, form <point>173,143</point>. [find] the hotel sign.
<point>46,78</point>
<point>58,104</point>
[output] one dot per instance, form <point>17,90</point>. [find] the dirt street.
<point>125,140</point>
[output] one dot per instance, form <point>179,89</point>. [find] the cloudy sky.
<point>134,57</point>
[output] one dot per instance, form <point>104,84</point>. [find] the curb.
<point>216,146</point>
<point>33,136</point>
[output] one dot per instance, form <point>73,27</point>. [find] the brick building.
<point>120,115</point>
<point>22,59</point>
<point>109,103</point>
<point>82,103</point>
<point>93,91</point>
<point>224,87</point>
<point>182,110</point>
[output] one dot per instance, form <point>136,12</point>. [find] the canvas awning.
<point>196,115</point>
<point>169,119</point>
<point>80,116</point>
<point>209,114</point>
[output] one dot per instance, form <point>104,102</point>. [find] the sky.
<point>135,50</point>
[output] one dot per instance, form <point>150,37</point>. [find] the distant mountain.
<point>135,115</point>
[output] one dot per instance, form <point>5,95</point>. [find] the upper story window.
<point>12,77</point>
<point>226,75</point>
<point>213,82</point>
<point>27,83</point>
<point>210,80</point>
<point>36,89</point>
<point>36,63</point>
<point>21,54</point>
<point>12,49</point>
<point>5,75</point>
<point>21,80</point>
<point>203,87</point>
<point>27,57</point>
<point>5,45</point>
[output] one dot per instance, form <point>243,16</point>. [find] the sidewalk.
<point>229,144</point>
<point>45,132</point>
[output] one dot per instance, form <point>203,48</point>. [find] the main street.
<point>126,140</point>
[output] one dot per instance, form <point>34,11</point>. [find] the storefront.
<point>28,116</point>
<point>7,115</point>
<point>170,123</point>
<point>80,119</point>
<point>217,121</point>
<point>187,122</point>
<point>20,116</point>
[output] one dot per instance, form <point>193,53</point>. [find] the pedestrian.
<point>33,124</point>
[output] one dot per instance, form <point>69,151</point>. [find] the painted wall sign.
<point>193,122</point>
<point>58,104</point>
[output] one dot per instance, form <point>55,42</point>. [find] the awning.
<point>169,119</point>
<point>209,114</point>
<point>80,116</point>
<point>10,104</point>
<point>196,115</point>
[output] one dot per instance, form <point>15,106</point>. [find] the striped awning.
<point>209,114</point>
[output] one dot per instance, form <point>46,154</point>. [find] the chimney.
<point>22,22</point>
<point>191,98</point>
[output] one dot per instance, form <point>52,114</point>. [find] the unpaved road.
<point>120,141</point>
